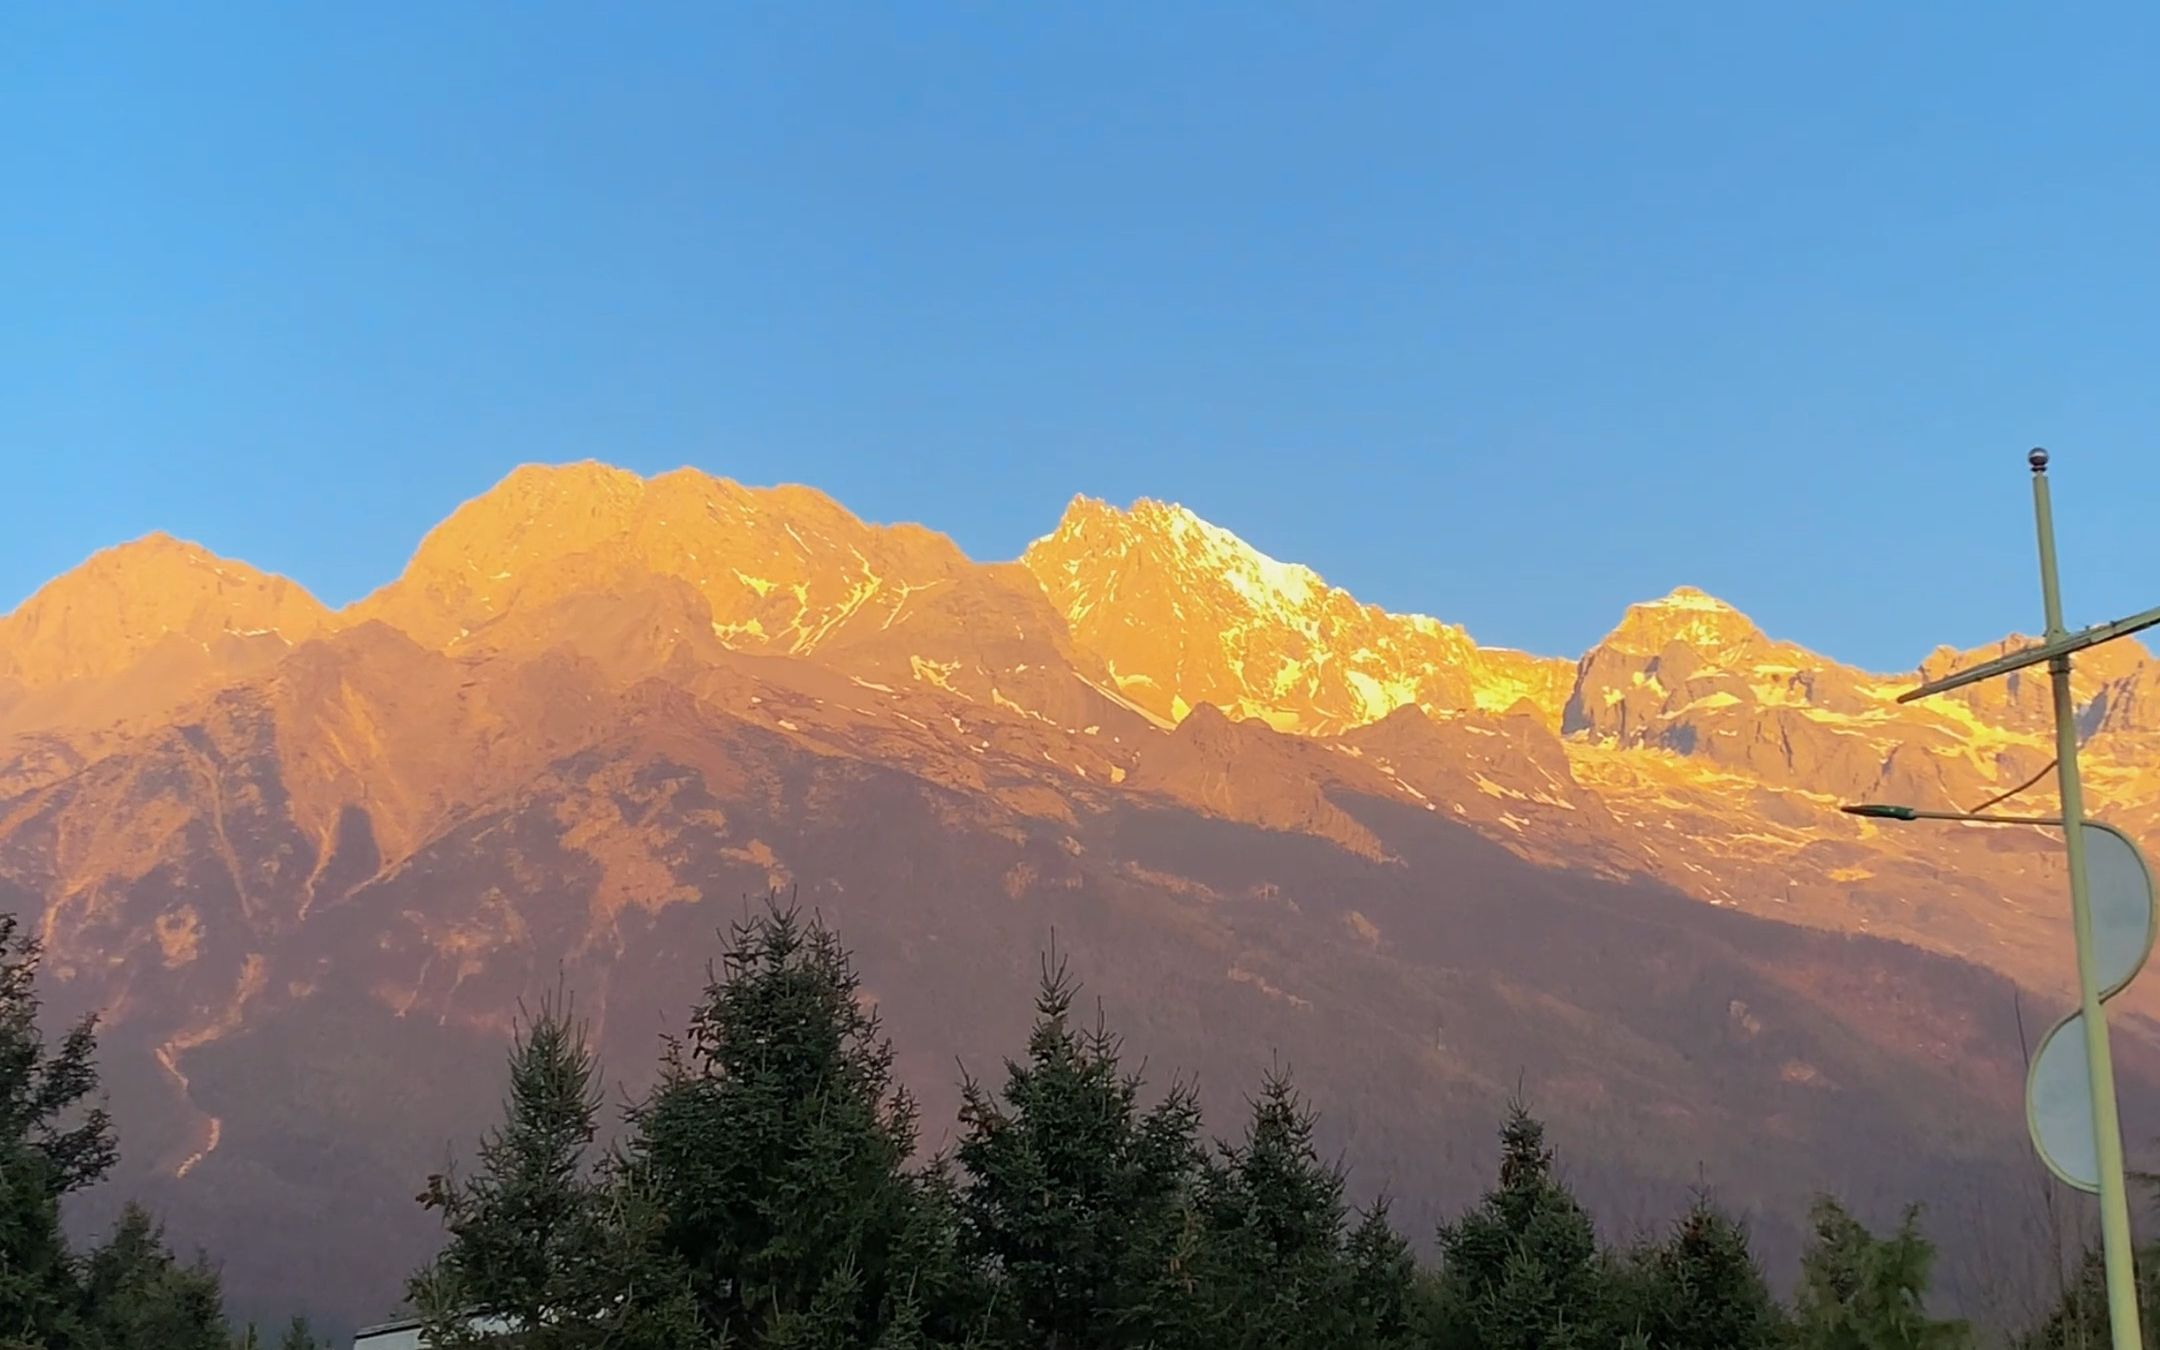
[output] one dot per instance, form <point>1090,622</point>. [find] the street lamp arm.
<point>2035,654</point>
<point>1883,811</point>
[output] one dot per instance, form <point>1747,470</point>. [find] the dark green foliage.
<point>2079,1320</point>
<point>1282,1273</point>
<point>38,1296</point>
<point>541,1240</point>
<point>765,1197</point>
<point>53,1140</point>
<point>138,1297</point>
<point>1277,1267</point>
<point>1861,1292</point>
<point>47,1100</point>
<point>1383,1282</point>
<point>1523,1271</point>
<point>1081,1201</point>
<point>777,1144</point>
<point>300,1336</point>
<point>1700,1288</point>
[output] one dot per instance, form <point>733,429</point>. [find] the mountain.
<point>1184,613</point>
<point>309,861</point>
<point>131,634</point>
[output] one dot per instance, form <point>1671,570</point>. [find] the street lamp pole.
<point>2100,1063</point>
<point>2130,901</point>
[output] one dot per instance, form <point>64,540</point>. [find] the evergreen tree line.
<point>129,1292</point>
<point>763,1195</point>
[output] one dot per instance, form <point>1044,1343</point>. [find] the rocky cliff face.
<point>1184,613</point>
<point>304,859</point>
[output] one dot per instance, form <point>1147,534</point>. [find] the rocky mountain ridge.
<point>596,709</point>
<point>1116,624</point>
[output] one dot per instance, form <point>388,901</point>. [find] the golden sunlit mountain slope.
<point>137,629</point>
<point>784,570</point>
<point>1183,613</point>
<point>306,860</point>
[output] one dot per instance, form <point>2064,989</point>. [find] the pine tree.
<point>1700,1289</point>
<point>1861,1292</point>
<point>137,1296</point>
<point>542,1242</point>
<point>2079,1320</point>
<point>300,1336</point>
<point>1383,1282</point>
<point>1523,1271</point>
<point>777,1142</point>
<point>1081,1200</point>
<point>1275,1217</point>
<point>39,1301</point>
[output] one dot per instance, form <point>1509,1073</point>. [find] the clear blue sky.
<point>1509,314</point>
